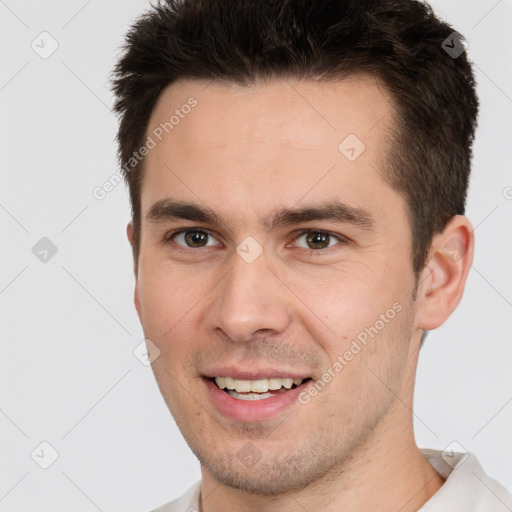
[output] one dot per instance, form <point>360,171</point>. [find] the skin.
<point>244,152</point>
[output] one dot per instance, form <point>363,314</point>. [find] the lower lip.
<point>252,410</point>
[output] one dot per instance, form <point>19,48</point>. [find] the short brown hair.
<point>401,42</point>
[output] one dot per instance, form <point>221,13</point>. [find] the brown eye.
<point>318,240</point>
<point>196,238</point>
<point>193,238</point>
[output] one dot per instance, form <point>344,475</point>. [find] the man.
<point>298,174</point>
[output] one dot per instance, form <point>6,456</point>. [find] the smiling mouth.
<point>259,389</point>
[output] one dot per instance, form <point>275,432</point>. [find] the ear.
<point>130,233</point>
<point>444,277</point>
<point>136,299</point>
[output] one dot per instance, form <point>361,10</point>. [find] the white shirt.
<point>466,489</point>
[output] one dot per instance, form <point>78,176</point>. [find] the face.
<point>273,254</point>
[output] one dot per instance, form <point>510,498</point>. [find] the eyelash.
<point>342,240</point>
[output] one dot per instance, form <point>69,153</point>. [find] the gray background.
<point>68,326</point>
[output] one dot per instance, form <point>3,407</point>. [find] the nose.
<point>249,302</point>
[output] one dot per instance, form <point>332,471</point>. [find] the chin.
<point>269,475</point>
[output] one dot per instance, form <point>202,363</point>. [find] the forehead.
<point>329,108</point>
<point>272,143</point>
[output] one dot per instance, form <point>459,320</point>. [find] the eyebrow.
<point>337,211</point>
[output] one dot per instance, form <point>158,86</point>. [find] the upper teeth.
<point>256,386</point>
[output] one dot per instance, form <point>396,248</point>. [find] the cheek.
<point>365,366</point>
<point>343,305</point>
<point>167,296</point>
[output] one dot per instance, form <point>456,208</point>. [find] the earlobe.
<point>136,301</point>
<point>444,277</point>
<point>131,236</point>
<point>130,233</point>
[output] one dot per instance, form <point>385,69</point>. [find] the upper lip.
<point>254,374</point>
